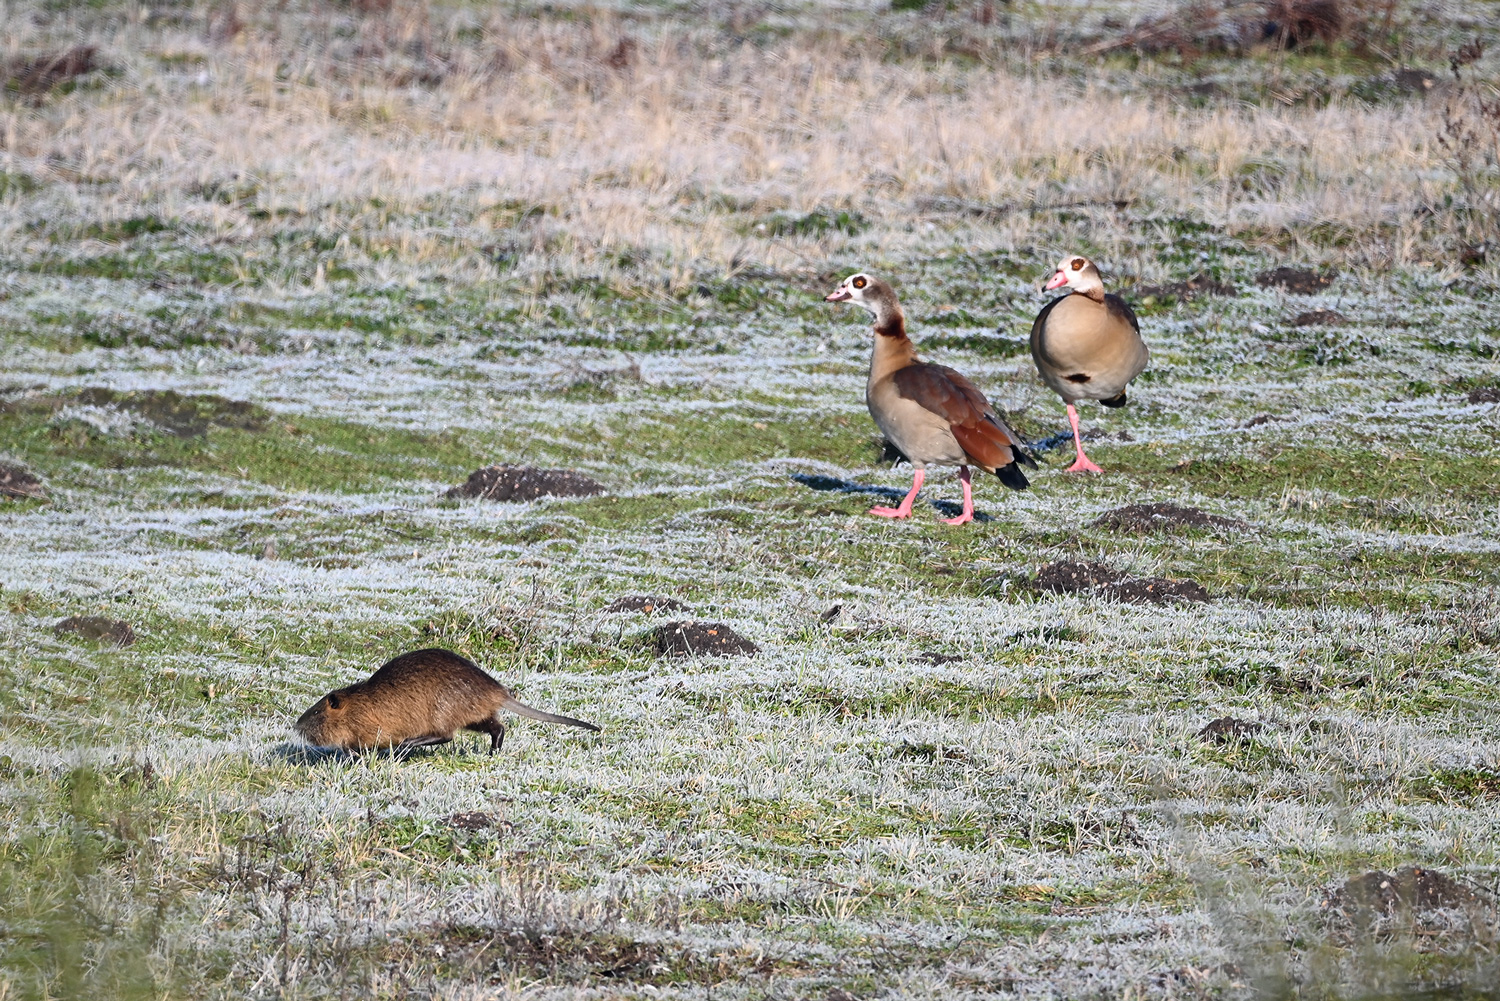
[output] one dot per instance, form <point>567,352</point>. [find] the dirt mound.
<point>1067,577</point>
<point>17,482</point>
<point>472,821</point>
<point>1320,318</point>
<point>1485,394</point>
<point>707,639</point>
<point>1228,730</point>
<point>1199,284</point>
<point>1415,888</point>
<point>525,483</point>
<point>1160,517</point>
<point>42,73</point>
<point>1157,591</point>
<point>97,627</point>
<point>645,603</point>
<point>1298,281</point>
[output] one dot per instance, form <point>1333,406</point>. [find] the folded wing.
<point>978,429</point>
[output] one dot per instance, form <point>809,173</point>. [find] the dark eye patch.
<point>859,283</point>
<point>1077,264</point>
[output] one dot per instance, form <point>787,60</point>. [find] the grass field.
<point>274,279</point>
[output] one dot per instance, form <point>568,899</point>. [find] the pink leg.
<point>1082,463</point>
<point>968,511</point>
<point>905,508</point>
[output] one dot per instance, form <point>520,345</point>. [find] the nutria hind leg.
<point>492,726</point>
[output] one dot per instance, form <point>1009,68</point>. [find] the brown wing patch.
<point>974,423</point>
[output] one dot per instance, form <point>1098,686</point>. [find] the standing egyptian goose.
<point>931,413</point>
<point>1087,344</point>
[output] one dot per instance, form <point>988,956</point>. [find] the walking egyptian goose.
<point>931,413</point>
<point>1087,344</point>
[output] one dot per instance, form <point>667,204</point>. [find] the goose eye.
<point>860,283</point>
<point>1077,264</point>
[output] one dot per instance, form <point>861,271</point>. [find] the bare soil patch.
<point>1228,730</point>
<point>1485,394</point>
<point>1414,888</point>
<point>645,603</point>
<point>1199,284</point>
<point>1320,318</point>
<point>525,483</point>
<point>17,482</point>
<point>97,627</point>
<point>1161,517</point>
<point>705,639</point>
<point>1068,577</point>
<point>41,73</point>
<point>473,821</point>
<point>1298,281</point>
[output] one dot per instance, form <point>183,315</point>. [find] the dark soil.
<point>1414,81</point>
<point>1161,517</point>
<point>1320,318</point>
<point>939,659</point>
<point>186,416</point>
<point>1067,577</point>
<point>97,627</point>
<point>1228,730</point>
<point>525,483</point>
<point>1415,888</point>
<point>1157,591</point>
<point>706,639</point>
<point>645,603</point>
<point>41,74</point>
<point>473,821</point>
<point>17,482</point>
<point>1199,284</point>
<point>1485,394</point>
<point>1298,281</point>
<point>1259,419</point>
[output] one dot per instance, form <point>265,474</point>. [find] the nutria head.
<point>328,723</point>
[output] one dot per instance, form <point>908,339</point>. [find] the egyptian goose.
<point>931,413</point>
<point>1087,344</point>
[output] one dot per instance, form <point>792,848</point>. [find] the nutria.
<point>419,698</point>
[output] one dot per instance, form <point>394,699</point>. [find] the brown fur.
<point>419,698</point>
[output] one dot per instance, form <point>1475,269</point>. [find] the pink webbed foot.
<point>968,511</point>
<point>1083,465</point>
<point>891,512</point>
<point>904,510</point>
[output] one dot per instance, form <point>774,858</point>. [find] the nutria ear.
<point>333,700</point>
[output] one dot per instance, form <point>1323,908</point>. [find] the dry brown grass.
<point>662,139</point>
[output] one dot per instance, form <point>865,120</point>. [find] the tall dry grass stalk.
<point>597,136</point>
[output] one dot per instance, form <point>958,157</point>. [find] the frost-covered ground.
<point>247,377</point>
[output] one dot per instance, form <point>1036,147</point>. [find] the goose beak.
<point>1057,281</point>
<point>838,295</point>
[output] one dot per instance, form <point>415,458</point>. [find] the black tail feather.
<point>1012,476</point>
<point>1114,401</point>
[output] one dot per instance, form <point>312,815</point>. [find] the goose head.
<point>1079,274</point>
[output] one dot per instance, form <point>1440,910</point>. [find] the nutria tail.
<point>507,701</point>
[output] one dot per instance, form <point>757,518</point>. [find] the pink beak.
<point>1057,281</point>
<point>838,295</point>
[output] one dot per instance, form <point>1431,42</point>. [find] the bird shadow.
<point>833,484</point>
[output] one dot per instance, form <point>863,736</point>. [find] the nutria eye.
<point>859,283</point>
<point>1077,264</point>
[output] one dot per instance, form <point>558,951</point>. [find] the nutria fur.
<point>419,698</point>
